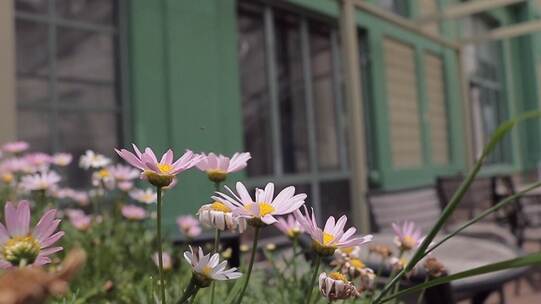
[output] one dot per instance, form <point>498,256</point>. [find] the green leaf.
<point>496,137</point>
<point>528,260</point>
<point>485,213</point>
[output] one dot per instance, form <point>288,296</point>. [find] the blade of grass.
<point>496,137</point>
<point>524,261</point>
<point>482,215</point>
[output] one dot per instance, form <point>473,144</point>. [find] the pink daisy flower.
<point>14,165</point>
<point>189,226</point>
<point>15,147</point>
<point>20,246</point>
<point>123,173</point>
<point>408,236</point>
<point>167,261</point>
<point>125,186</point>
<point>218,166</point>
<point>79,219</point>
<point>147,196</point>
<point>132,212</point>
<point>289,226</point>
<point>40,181</point>
<point>37,161</point>
<point>332,237</point>
<point>159,173</point>
<point>62,159</point>
<point>265,207</point>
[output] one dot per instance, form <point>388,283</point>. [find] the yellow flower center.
<point>357,263</point>
<point>21,250</point>
<point>206,271</point>
<point>327,238</point>
<point>293,232</point>
<point>7,178</point>
<point>264,208</point>
<point>103,173</point>
<point>219,206</point>
<point>338,276</point>
<point>216,175</point>
<point>347,250</point>
<point>164,168</point>
<point>408,242</point>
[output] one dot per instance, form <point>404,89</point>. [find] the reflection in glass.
<point>92,11</point>
<point>86,95</point>
<point>32,6</point>
<point>255,93</point>
<point>79,131</point>
<point>34,126</point>
<point>335,199</point>
<point>85,55</point>
<point>324,99</point>
<point>31,48</point>
<point>293,125</point>
<point>32,90</point>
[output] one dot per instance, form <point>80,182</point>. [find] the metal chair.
<point>480,196</point>
<point>423,206</point>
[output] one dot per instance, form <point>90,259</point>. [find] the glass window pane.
<point>399,7</point>
<point>255,92</point>
<point>335,199</point>
<point>32,6</point>
<point>293,124</point>
<point>32,90</point>
<point>92,11</point>
<point>324,99</point>
<point>85,55</point>
<point>34,127</point>
<point>79,131</point>
<point>32,56</point>
<point>86,95</point>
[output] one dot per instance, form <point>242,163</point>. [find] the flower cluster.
<point>125,201</point>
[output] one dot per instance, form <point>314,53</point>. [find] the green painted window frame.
<point>315,177</point>
<point>384,176</point>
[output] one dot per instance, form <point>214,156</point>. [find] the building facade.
<point>269,77</point>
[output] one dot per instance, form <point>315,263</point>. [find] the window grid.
<point>52,106</point>
<point>315,176</point>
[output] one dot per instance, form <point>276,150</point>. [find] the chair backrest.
<point>523,214</point>
<point>478,198</point>
<point>420,205</point>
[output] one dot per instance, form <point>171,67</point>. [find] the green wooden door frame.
<point>185,86</point>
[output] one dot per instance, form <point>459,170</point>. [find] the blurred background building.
<point>435,78</point>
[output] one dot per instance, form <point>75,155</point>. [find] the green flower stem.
<point>160,249</point>
<point>250,266</point>
<point>194,295</point>
<point>216,250</point>
<point>294,261</point>
<point>190,289</point>
<point>313,280</point>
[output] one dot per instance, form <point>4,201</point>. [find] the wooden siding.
<point>402,97</point>
<point>429,7</point>
<point>437,110</point>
